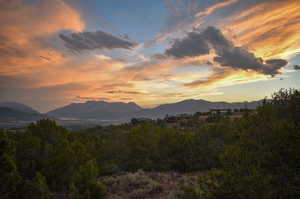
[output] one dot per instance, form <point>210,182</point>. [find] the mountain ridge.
<point>10,114</point>
<point>91,109</point>
<point>120,110</point>
<point>19,107</point>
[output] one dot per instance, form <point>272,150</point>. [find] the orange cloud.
<point>227,77</point>
<point>25,32</point>
<point>213,8</point>
<point>270,30</point>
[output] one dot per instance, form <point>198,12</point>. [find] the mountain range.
<point>13,111</point>
<point>101,110</point>
<point>97,110</point>
<point>124,111</point>
<point>192,106</point>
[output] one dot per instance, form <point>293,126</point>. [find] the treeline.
<point>254,157</point>
<point>263,161</point>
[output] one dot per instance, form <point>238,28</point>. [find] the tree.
<point>10,178</point>
<point>36,188</point>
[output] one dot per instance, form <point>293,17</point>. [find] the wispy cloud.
<point>270,29</point>
<point>184,16</point>
<point>224,78</point>
<point>213,8</point>
<point>95,40</point>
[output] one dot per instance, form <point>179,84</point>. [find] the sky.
<point>56,52</point>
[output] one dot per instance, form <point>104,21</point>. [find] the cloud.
<point>43,98</point>
<point>199,43</point>
<point>24,37</point>
<point>184,16</point>
<point>15,81</point>
<point>120,84</point>
<point>212,79</point>
<point>95,40</point>
<point>35,72</point>
<point>125,92</point>
<point>180,13</point>
<point>214,7</point>
<point>107,24</point>
<point>84,99</point>
<point>296,67</point>
<point>237,57</point>
<point>228,77</point>
<point>33,69</point>
<point>191,46</point>
<point>270,29</point>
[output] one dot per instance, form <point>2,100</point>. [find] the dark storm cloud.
<point>274,65</point>
<point>296,67</point>
<point>237,57</point>
<point>191,46</point>
<point>215,37</point>
<point>95,40</point>
<point>198,43</point>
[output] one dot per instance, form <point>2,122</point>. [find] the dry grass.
<point>147,185</point>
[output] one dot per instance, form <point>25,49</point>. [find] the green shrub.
<point>36,188</point>
<point>263,161</point>
<point>9,175</point>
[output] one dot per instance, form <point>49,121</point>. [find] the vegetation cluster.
<point>256,156</point>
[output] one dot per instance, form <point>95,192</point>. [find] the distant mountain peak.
<point>18,107</point>
<point>97,110</point>
<point>127,110</point>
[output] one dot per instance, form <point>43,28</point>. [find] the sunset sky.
<point>55,52</point>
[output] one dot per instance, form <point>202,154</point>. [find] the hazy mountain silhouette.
<point>97,110</point>
<point>13,111</point>
<point>192,106</point>
<point>119,110</point>
<point>101,110</point>
<point>19,107</point>
<point>9,114</point>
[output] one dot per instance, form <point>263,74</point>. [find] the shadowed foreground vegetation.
<point>256,156</point>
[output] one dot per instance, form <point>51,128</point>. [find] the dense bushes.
<point>263,162</point>
<point>47,160</point>
<point>43,162</point>
<point>152,148</point>
<point>254,157</point>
